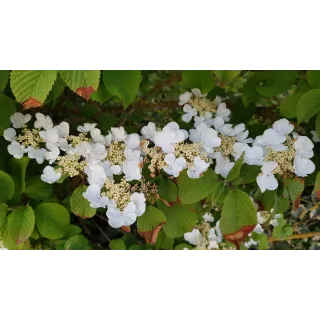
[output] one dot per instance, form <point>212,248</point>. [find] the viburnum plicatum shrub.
<point>203,183</point>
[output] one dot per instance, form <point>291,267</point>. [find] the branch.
<point>296,236</point>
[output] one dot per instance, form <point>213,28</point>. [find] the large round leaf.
<point>79,205</point>
<point>180,219</point>
<point>6,187</point>
<point>21,223</point>
<point>38,189</point>
<point>308,105</point>
<point>51,220</point>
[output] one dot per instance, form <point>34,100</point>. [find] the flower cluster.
<point>204,236</point>
<point>112,164</point>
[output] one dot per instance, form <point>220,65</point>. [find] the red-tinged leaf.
<point>150,224</point>
<point>295,188</point>
<point>238,237</point>
<point>85,92</point>
<point>316,190</point>
<point>126,229</point>
<point>238,217</point>
<point>151,236</point>
<point>31,103</point>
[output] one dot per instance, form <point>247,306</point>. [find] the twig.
<point>101,230</point>
<point>296,236</point>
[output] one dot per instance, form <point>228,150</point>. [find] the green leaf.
<point>21,223</point>
<point>238,212</point>
<point>281,230</point>
<point>56,90</point>
<point>202,80</point>
<point>318,124</point>
<point>51,220</point>
<point>168,190</point>
<point>316,190</point>
<point>79,205</point>
<point>102,95</point>
<point>164,242</point>
<point>219,192</point>
<point>308,105</point>
<point>6,187</point>
<point>122,83</point>
<point>7,108</point>
<point>180,219</point>
<point>149,224</point>
<point>288,106</point>
<point>248,174</point>
<point>227,75</point>
<point>71,230</point>
<point>3,212</point>
<point>4,77</point>
<point>6,238</point>
<point>117,244</point>
<point>313,77</point>
<point>294,187</point>
<point>32,84</point>
<point>263,240</point>
<point>235,170</point>
<point>18,168</point>
<point>77,242</point>
<point>282,204</point>
<point>194,190</point>
<point>82,82</point>
<point>38,189</point>
<point>268,199</point>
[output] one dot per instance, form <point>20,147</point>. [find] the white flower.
<point>175,165</point>
<point>258,229</point>
<point>51,137</point>
<point>220,126</point>
<point>208,136</point>
<point>97,136</point>
<point>43,121</point>
<point>189,113</point>
<point>96,174</point>
<point>266,179</point>
<point>304,146</point>
<point>250,243</point>
<point>49,175</point>
<point>38,154</point>
<point>194,237</point>
<point>16,149</point>
<point>283,126</point>
<point>169,136</point>
<point>200,166</point>
<point>198,93</point>
<point>87,127</point>
<point>206,118</point>
<point>119,219</point>
<point>82,149</point>
<point>63,129</point>
<point>303,166</point>
<point>52,155</point>
<point>261,219</point>
<point>271,138</point>
<point>220,163</point>
<point>184,98</point>
<point>149,131</point>
<point>252,155</point>
<point>63,144</point>
<point>97,152</point>
<point>131,167</point>
<point>93,195</point>
<point>132,141</point>
<point>315,136</point>
<point>18,120</point>
<point>214,239</point>
<point>10,134</point>
<point>223,111</point>
<point>118,134</point>
<point>274,222</point>
<point>140,201</point>
<point>207,217</point>
<point>111,170</point>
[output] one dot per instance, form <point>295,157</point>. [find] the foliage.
<point>182,204</point>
